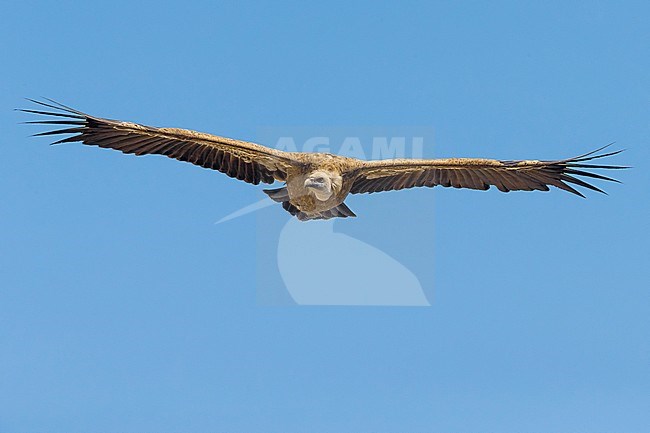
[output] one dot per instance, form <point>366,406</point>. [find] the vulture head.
<point>323,184</point>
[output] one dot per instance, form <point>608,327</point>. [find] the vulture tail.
<point>340,211</point>
<point>282,196</point>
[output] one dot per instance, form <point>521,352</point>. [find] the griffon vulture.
<point>316,184</point>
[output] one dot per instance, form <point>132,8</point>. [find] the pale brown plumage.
<point>318,183</point>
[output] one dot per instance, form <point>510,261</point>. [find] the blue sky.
<point>123,308</point>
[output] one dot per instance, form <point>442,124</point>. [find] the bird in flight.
<point>316,184</point>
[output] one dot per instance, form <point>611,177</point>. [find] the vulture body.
<point>316,184</point>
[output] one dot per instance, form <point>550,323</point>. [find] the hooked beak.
<point>315,184</point>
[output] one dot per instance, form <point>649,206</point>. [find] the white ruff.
<point>322,196</point>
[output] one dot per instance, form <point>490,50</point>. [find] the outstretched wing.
<point>396,174</point>
<point>242,160</point>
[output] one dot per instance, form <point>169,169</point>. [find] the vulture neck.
<point>322,195</point>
